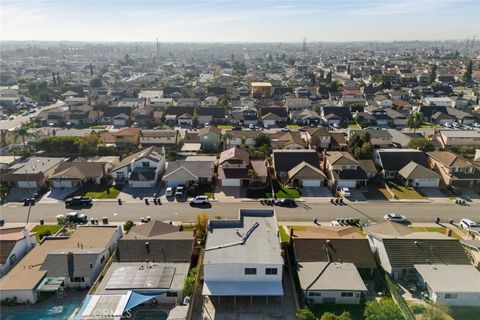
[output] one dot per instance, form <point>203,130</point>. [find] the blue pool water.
<point>47,312</point>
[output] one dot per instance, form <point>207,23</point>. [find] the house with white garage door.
<point>186,172</point>
<point>141,169</point>
<point>415,175</point>
<point>235,168</point>
<point>286,160</point>
<point>77,174</point>
<point>343,170</point>
<point>32,172</point>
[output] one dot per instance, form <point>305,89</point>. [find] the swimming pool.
<point>47,312</point>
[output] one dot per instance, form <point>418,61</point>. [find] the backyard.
<point>45,230</point>
<point>98,192</point>
<point>356,311</point>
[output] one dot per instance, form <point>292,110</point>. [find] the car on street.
<point>180,191</point>
<point>335,223</point>
<point>72,217</point>
<point>78,201</point>
<point>396,217</point>
<point>237,128</point>
<point>345,192</point>
<point>336,126</point>
<point>468,224</point>
<point>29,201</point>
<point>286,203</point>
<point>199,200</point>
<point>169,192</point>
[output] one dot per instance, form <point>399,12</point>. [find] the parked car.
<point>78,201</point>
<point>72,217</point>
<point>199,200</point>
<point>28,201</point>
<point>396,217</point>
<point>237,128</point>
<point>285,129</point>
<point>468,223</point>
<point>286,203</point>
<point>447,125</point>
<point>169,192</point>
<point>476,125</point>
<point>180,191</point>
<point>303,129</point>
<point>336,126</point>
<point>335,223</point>
<point>345,192</point>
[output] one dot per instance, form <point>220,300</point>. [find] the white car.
<point>396,217</point>
<point>447,125</point>
<point>455,125</point>
<point>335,223</point>
<point>467,224</point>
<point>336,126</point>
<point>169,192</point>
<point>476,125</point>
<point>199,200</point>
<point>345,192</point>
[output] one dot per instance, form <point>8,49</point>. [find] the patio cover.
<point>137,298</point>
<point>50,284</point>
<point>242,288</point>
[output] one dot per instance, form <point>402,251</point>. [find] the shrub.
<point>304,313</point>
<point>128,225</point>
<point>189,284</point>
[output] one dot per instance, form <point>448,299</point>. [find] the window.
<point>450,296</point>
<point>145,164</point>
<point>314,294</point>
<point>171,294</point>
<point>250,271</point>
<point>12,259</point>
<point>77,279</point>
<point>102,259</point>
<point>347,294</point>
<point>271,271</point>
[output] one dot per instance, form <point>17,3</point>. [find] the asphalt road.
<point>374,211</point>
<point>18,120</point>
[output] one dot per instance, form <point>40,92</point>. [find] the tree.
<point>224,101</point>
<point>386,83</point>
<point>54,80</point>
<point>415,120</point>
<point>253,174</point>
<point>433,74</point>
<point>87,145</point>
<point>201,226</point>
<point>22,132</point>
<point>345,315</point>
<point>262,140</point>
<point>128,225</point>
<point>91,69</point>
<point>243,142</point>
<point>467,76</point>
<point>4,189</point>
<point>328,78</point>
<point>304,313</point>
<point>189,284</point>
<point>421,144</point>
<point>385,309</point>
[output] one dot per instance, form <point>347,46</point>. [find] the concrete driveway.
<point>434,194</point>
<point>57,194</point>
<point>315,192</point>
<point>128,193</point>
<point>470,195</point>
<point>229,193</point>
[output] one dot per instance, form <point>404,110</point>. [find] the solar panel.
<point>141,277</point>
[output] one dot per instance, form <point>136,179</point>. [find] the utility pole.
<point>158,51</point>
<point>30,197</point>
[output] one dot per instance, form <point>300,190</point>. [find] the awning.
<point>50,284</point>
<point>137,299</point>
<point>242,288</point>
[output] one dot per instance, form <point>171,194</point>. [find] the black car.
<point>286,203</point>
<point>78,201</point>
<point>28,201</point>
<point>237,128</point>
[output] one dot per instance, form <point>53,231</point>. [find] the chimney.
<point>70,264</point>
<point>324,163</point>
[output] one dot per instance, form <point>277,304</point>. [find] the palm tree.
<point>22,132</point>
<point>414,120</point>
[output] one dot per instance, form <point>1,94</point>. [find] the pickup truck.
<point>78,201</point>
<point>72,217</point>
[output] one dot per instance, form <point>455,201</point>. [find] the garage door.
<point>62,184</point>
<point>427,183</point>
<point>27,184</point>
<point>311,183</point>
<point>174,183</point>
<point>231,182</point>
<point>347,184</point>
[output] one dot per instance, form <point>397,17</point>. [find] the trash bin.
<point>437,220</point>
<point>146,201</point>
<point>119,201</point>
<point>2,222</point>
<point>105,220</point>
<point>42,222</point>
<point>154,200</point>
<point>96,221</point>
<point>92,220</point>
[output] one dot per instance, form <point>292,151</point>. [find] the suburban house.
<point>244,116</point>
<point>397,118</point>
<point>32,172</point>
<point>461,116</point>
<point>450,138</point>
<point>167,138</point>
<point>452,284</point>
<point>117,116</point>
<point>297,104</point>
<point>77,174</point>
<point>15,243</point>
<point>160,103</point>
<point>287,140</point>
<point>454,169</point>
<point>236,169</point>
<point>141,169</point>
<point>235,138</point>
<point>54,116</point>
<point>273,116</point>
<point>181,116</point>
<point>72,262</point>
<point>285,160</point>
<point>212,115</point>
<point>318,138</point>
<point>243,257</point>
<point>306,175</point>
<point>336,115</point>
<point>306,117</point>
<point>391,242</point>
<point>210,138</point>
<point>128,137</point>
<point>186,172</point>
<point>331,270</point>
<point>343,170</point>
<point>378,138</point>
<point>416,175</point>
<point>261,89</point>
<point>442,118</point>
<point>438,102</point>
<point>143,117</point>
<point>393,160</point>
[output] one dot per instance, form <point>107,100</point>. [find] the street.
<point>18,120</point>
<point>373,210</point>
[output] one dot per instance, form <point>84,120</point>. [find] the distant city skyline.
<point>239,21</point>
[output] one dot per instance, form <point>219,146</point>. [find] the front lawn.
<point>376,193</point>
<point>259,193</point>
<point>284,237</point>
<point>224,127</point>
<point>402,192</point>
<point>98,192</point>
<point>282,191</point>
<point>299,228</point>
<point>441,230</point>
<point>293,126</point>
<point>201,190</point>
<point>45,230</point>
<point>354,126</point>
<point>465,313</point>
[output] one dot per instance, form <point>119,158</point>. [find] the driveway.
<point>470,195</point>
<point>434,194</point>
<point>229,193</point>
<point>315,192</point>
<point>57,195</point>
<point>356,196</point>
<point>128,193</point>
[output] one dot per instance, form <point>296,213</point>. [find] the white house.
<point>159,138</point>
<point>438,101</point>
<point>141,169</point>
<point>15,243</point>
<point>243,257</point>
<point>452,285</point>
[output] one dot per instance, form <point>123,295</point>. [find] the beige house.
<point>449,138</point>
<point>453,169</point>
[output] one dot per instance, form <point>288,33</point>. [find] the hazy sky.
<point>247,20</point>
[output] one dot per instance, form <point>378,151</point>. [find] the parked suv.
<point>78,201</point>
<point>180,191</point>
<point>467,224</point>
<point>199,200</point>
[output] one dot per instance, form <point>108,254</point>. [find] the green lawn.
<point>224,126</point>
<point>354,126</point>
<point>429,126</point>
<point>293,126</point>
<point>441,230</point>
<point>375,193</point>
<point>360,231</point>
<point>45,230</point>
<point>202,190</point>
<point>284,237</point>
<point>298,228</point>
<point>98,192</point>
<point>356,311</point>
<point>282,191</point>
<point>402,192</point>
<point>465,313</point>
<point>259,193</point>
<point>188,227</point>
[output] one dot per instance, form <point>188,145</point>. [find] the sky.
<point>239,21</point>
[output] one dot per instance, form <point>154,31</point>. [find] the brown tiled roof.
<point>340,158</point>
<point>448,159</point>
<point>211,129</point>
<point>234,153</point>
